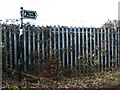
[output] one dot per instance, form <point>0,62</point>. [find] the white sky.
<point>63,12</point>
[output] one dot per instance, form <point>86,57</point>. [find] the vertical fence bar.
<point>20,49</point>
<point>101,49</point>
<point>50,42</point>
<point>112,32</point>
<point>63,47</point>
<point>10,42</point>
<point>24,31</point>
<point>71,49</point>
<point>119,47</point>
<point>5,50</point>
<point>45,43</point>
<point>108,48</point>
<point>75,44</point>
<point>83,47</point>
<point>83,42</point>
<point>1,52</point>
<point>54,41</point>
<point>15,47</point>
<point>67,47</point>
<point>116,41</point>
<point>94,51</point>
<point>98,48</point>
<point>87,44</point>
<point>29,45</point>
<point>79,41</point>
<point>33,46</point>
<point>91,46</point>
<point>79,49</point>
<point>59,43</point>
<point>38,45</point>
<point>105,40</point>
<point>43,51</point>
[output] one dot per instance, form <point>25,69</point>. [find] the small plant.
<point>13,87</point>
<point>87,65</point>
<point>67,72</point>
<point>51,67</point>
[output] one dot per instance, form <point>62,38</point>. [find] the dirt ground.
<point>98,80</point>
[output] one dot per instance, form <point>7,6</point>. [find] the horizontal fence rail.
<point>74,47</point>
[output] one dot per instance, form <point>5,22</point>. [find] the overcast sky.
<point>63,12</point>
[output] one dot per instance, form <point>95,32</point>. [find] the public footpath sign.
<point>28,14</point>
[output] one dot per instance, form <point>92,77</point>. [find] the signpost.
<point>25,14</point>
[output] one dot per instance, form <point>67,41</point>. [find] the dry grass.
<point>110,79</point>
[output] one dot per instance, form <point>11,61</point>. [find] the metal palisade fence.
<point>74,47</point>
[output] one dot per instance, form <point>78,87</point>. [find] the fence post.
<point>102,49</point>
<point>59,49</point>
<point>112,32</point>
<point>20,61</point>
<point>63,48</point>
<point>91,45</point>
<point>119,46</point>
<point>24,35</point>
<point>5,49</point>
<point>108,48</point>
<point>54,28</point>
<point>71,45</point>
<point>98,48</point>
<point>105,40</point>
<point>47,42</point>
<point>94,40</point>
<point>33,45</point>
<point>43,41</point>
<point>79,53</point>
<point>29,44</point>
<point>67,47</point>
<point>79,48</point>
<point>75,44</point>
<point>0,56</point>
<point>86,44</point>
<point>116,41</point>
<point>50,42</point>
<point>83,41</point>
<point>15,46</point>
<point>38,44</point>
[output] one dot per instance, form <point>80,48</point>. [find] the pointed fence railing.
<point>83,47</point>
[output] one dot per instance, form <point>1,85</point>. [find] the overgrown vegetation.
<point>54,76</point>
